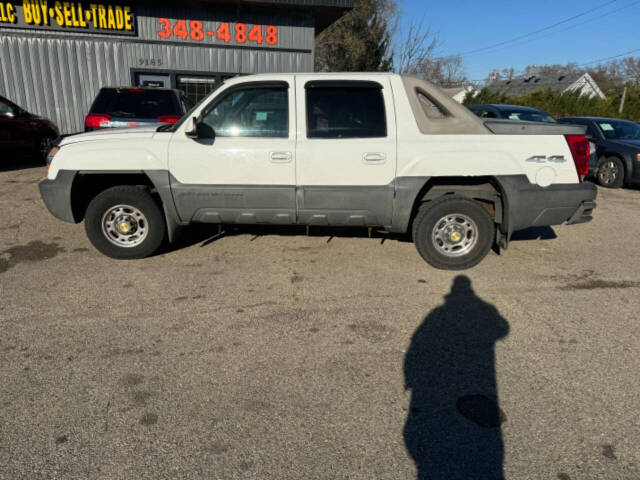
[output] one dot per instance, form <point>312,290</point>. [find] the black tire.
<point>610,173</point>
<point>430,215</point>
<point>151,222</point>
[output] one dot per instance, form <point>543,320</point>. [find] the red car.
<point>23,133</point>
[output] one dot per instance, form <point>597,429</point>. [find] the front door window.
<point>251,112</point>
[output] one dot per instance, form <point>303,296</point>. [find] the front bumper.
<point>56,195</point>
<point>530,205</point>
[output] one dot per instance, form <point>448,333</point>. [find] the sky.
<point>464,26</point>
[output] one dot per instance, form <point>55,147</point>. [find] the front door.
<point>346,151</point>
<point>246,174</point>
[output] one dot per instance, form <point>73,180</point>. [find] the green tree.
<point>360,41</point>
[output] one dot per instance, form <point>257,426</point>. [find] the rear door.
<point>345,151</point>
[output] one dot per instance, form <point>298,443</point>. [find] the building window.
<point>345,111</point>
<point>197,87</point>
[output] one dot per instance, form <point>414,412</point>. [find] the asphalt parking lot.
<point>259,355</point>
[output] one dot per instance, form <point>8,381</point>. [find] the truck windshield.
<point>620,130</point>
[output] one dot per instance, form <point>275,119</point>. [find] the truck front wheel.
<point>125,222</point>
<point>453,233</point>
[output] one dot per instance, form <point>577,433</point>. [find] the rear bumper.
<point>56,195</point>
<point>530,205</point>
<point>583,214</point>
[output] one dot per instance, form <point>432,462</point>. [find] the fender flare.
<point>160,179</point>
<point>411,191</point>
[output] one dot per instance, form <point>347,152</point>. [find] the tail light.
<point>579,146</point>
<point>168,118</point>
<point>97,120</point>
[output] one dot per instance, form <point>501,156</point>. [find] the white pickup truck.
<point>357,149</point>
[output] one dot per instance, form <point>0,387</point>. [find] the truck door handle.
<point>374,158</point>
<point>280,157</point>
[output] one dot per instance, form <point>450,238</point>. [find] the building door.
<point>149,80</point>
<point>246,173</point>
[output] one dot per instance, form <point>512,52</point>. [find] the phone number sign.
<point>225,32</point>
<point>100,18</point>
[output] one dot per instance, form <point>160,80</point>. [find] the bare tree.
<point>413,47</point>
<point>508,73</point>
<point>630,68</point>
<point>608,76</point>
<point>445,71</point>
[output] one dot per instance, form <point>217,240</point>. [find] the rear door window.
<point>350,110</point>
<point>136,103</point>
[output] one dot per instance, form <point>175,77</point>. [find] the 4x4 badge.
<point>544,159</point>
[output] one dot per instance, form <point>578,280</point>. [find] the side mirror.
<point>198,129</point>
<point>191,127</point>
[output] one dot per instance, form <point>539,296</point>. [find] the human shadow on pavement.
<point>453,429</point>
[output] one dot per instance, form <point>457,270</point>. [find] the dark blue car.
<point>617,148</point>
<point>511,112</point>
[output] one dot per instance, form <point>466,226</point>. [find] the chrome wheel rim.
<point>454,235</point>
<point>608,172</point>
<point>125,226</point>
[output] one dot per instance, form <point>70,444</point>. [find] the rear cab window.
<point>345,109</point>
<point>136,103</point>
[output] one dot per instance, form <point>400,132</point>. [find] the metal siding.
<point>292,30</point>
<point>57,75</point>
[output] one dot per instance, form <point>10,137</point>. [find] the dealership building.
<point>55,56</point>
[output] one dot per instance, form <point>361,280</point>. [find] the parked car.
<point>116,107</point>
<point>24,133</point>
<point>511,112</point>
<point>617,149</point>
<point>370,150</point>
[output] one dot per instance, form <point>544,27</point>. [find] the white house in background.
<point>533,81</point>
<point>459,93</point>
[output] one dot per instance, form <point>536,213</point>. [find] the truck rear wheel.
<point>125,222</point>
<point>453,233</point>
